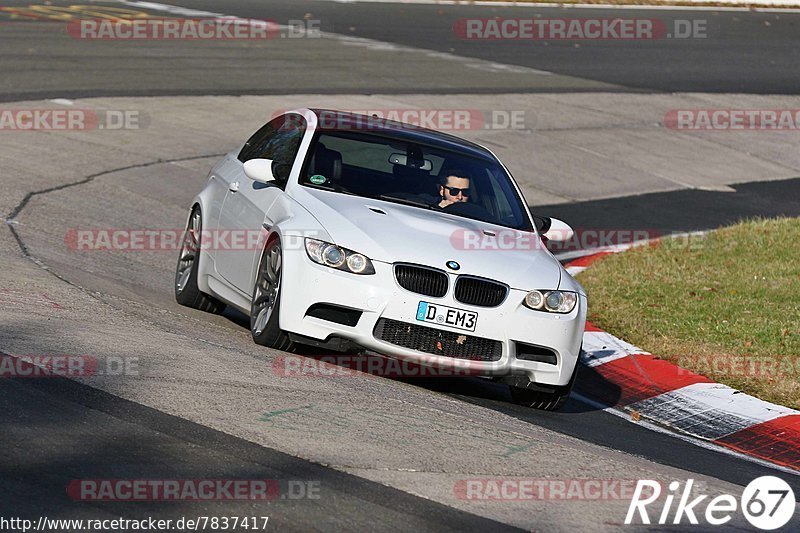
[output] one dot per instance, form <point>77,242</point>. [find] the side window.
<point>278,140</point>
<point>258,141</point>
<point>505,212</point>
<point>510,210</point>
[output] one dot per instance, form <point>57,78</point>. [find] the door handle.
<point>234,186</point>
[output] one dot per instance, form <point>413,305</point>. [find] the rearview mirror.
<point>259,170</point>
<point>402,159</point>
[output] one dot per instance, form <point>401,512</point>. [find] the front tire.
<point>186,290</point>
<point>545,400</point>
<point>266,303</point>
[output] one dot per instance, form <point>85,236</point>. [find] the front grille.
<point>480,292</point>
<point>422,280</point>
<point>437,342</point>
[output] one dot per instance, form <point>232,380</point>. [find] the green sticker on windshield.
<point>317,179</point>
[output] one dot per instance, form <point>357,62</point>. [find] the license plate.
<point>447,316</point>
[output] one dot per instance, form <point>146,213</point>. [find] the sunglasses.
<point>455,190</point>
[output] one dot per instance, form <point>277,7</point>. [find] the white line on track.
<point>681,436</point>
<point>600,347</point>
<point>709,410</point>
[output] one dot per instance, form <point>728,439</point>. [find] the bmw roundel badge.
<point>453,265</point>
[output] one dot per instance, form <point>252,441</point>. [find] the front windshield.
<point>396,170</point>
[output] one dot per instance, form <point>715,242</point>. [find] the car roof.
<point>407,132</point>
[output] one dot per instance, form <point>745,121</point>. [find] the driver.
<point>454,187</point>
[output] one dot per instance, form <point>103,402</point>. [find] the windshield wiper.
<point>406,201</point>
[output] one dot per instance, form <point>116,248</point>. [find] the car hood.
<point>390,232</point>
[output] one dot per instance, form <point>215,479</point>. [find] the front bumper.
<point>379,297</point>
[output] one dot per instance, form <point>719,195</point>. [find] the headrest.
<point>327,163</point>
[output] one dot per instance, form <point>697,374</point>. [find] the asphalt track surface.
<point>57,430</point>
<point>139,443</point>
<point>741,53</point>
<point>753,53</point>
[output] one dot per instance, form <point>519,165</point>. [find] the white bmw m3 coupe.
<point>362,233</point>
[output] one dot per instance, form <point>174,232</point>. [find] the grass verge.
<point>725,305</point>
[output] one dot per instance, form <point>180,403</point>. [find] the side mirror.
<point>558,231</point>
<point>259,170</point>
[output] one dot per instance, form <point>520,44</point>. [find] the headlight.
<point>333,256</point>
<point>534,300</point>
<point>330,255</point>
<point>552,301</point>
<point>358,263</point>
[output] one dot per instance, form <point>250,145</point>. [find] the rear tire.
<point>545,401</point>
<point>186,290</point>
<point>266,303</point>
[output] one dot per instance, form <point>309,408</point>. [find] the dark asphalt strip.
<point>281,90</point>
<point>681,211</point>
<point>56,430</point>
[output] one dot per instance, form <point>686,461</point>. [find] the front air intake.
<point>437,341</point>
<point>335,313</point>
<point>529,352</point>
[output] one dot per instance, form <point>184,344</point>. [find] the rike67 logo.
<point>768,503</point>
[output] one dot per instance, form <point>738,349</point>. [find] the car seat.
<point>327,163</point>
